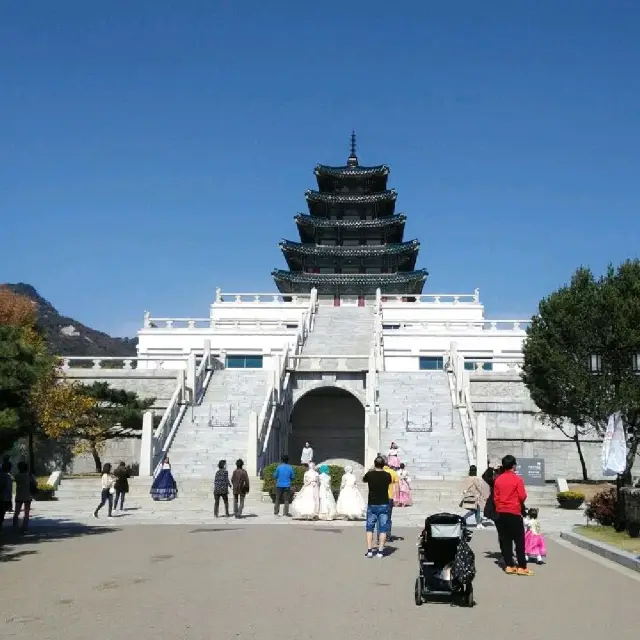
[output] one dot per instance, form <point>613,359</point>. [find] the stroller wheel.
<point>418,592</point>
<point>468,596</point>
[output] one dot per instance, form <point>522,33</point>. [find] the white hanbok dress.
<point>351,504</point>
<point>327,501</point>
<point>305,505</point>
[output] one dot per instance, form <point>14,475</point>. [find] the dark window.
<point>470,365</point>
<point>432,363</point>
<point>244,362</point>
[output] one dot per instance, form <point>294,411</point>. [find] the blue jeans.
<point>377,514</point>
<point>477,512</point>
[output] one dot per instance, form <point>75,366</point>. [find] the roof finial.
<point>352,160</point>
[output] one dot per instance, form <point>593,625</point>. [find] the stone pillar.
<point>371,437</point>
<point>146,445</point>
<point>481,442</point>
<point>191,375</point>
<point>251,463</point>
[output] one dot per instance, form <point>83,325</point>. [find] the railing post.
<point>191,376</point>
<point>251,463</point>
<point>482,452</point>
<point>147,445</point>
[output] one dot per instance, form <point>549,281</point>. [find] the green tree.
<point>18,373</point>
<point>112,411</point>
<point>590,316</point>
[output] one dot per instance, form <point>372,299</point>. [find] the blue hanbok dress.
<point>164,486</point>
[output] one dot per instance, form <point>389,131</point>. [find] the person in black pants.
<point>221,487</point>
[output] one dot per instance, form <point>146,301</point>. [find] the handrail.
<point>169,423</point>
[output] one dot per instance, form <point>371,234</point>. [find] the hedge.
<point>269,482</point>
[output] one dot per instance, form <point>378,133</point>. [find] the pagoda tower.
<point>351,242</point>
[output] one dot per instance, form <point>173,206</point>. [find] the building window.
<point>244,362</point>
<point>470,364</point>
<point>431,363</point>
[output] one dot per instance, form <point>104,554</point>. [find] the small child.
<point>534,545</point>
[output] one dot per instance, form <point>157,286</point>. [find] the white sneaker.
<point>380,554</point>
<point>480,526</point>
<point>369,554</point>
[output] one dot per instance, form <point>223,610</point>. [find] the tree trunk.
<point>583,464</point>
<point>32,452</point>
<point>96,457</point>
<point>631,455</point>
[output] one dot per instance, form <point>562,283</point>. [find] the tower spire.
<point>352,160</point>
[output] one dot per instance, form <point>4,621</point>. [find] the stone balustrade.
<point>432,298</point>
<point>328,362</point>
<point>111,362</point>
<point>220,325</point>
<point>441,326</point>
<point>261,298</point>
<point>495,365</point>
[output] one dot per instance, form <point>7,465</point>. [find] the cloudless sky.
<point>152,150</point>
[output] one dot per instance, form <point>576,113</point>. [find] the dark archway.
<point>333,421</point>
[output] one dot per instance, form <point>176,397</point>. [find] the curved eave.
<point>300,248</point>
<point>323,170</point>
<point>303,220</point>
<point>351,198</point>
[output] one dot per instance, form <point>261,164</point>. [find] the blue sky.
<point>153,150</point>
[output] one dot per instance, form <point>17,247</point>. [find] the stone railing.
<point>261,298</point>
<point>113,362</point>
<point>328,363</point>
<point>433,298</point>
<point>218,325</point>
<point>442,326</point>
<point>494,365</point>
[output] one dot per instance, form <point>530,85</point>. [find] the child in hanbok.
<point>351,504</point>
<point>327,503</point>
<point>534,545</point>
<point>402,489</point>
<point>306,504</point>
<point>164,487</point>
<point>393,457</point>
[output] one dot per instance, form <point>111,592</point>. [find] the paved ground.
<point>287,582</point>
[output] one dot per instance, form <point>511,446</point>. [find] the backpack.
<point>463,570</point>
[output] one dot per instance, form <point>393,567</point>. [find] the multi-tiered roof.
<point>351,240</point>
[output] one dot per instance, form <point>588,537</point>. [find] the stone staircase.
<point>340,330</point>
<point>219,427</point>
<point>432,445</point>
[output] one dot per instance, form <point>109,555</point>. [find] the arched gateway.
<point>333,421</point>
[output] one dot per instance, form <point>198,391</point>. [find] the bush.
<point>570,495</point>
<point>602,507</point>
<point>269,482</point>
<point>43,486</point>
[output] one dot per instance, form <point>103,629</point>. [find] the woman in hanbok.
<point>164,486</point>
<point>402,489</point>
<point>305,505</point>
<point>351,504</point>
<point>327,502</point>
<point>393,457</point>
<point>534,545</point>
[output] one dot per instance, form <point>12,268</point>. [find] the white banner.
<point>614,447</point>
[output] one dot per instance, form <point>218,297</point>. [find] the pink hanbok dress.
<point>534,544</point>
<point>402,490</point>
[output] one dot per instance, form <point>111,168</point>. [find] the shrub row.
<point>269,482</point>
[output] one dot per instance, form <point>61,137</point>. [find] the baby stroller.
<point>446,561</point>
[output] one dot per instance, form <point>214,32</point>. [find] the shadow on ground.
<point>15,545</point>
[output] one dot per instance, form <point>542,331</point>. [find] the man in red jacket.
<point>509,495</point>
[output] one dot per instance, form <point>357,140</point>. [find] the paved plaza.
<point>288,582</point>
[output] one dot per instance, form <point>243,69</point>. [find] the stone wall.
<point>122,450</point>
<point>514,426</point>
<point>150,383</point>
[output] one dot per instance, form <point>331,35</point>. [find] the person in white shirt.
<point>307,454</point>
<point>107,482</point>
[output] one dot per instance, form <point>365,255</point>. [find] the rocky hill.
<point>68,337</point>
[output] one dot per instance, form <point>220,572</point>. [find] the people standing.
<point>240,487</point>
<point>402,490</point>
<point>121,485</point>
<point>510,495</point>
<point>6,491</point>
<point>306,504</point>
<point>379,482</point>
<point>393,457</point>
<point>475,492</point>
<point>164,487</point>
<point>107,490</point>
<point>350,503</point>
<point>221,486</point>
<point>26,486</point>
<point>326,503</point>
<point>284,476</point>
<point>306,457</point>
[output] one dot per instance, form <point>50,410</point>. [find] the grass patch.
<point>609,536</point>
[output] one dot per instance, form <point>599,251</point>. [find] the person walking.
<point>221,487</point>
<point>306,456</point>
<point>6,491</point>
<point>240,488</point>
<point>121,485</point>
<point>475,492</point>
<point>379,482</point>
<point>107,490</point>
<point>509,495</point>
<point>26,486</point>
<point>284,476</point>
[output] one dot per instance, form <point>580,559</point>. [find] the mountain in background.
<point>68,337</point>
